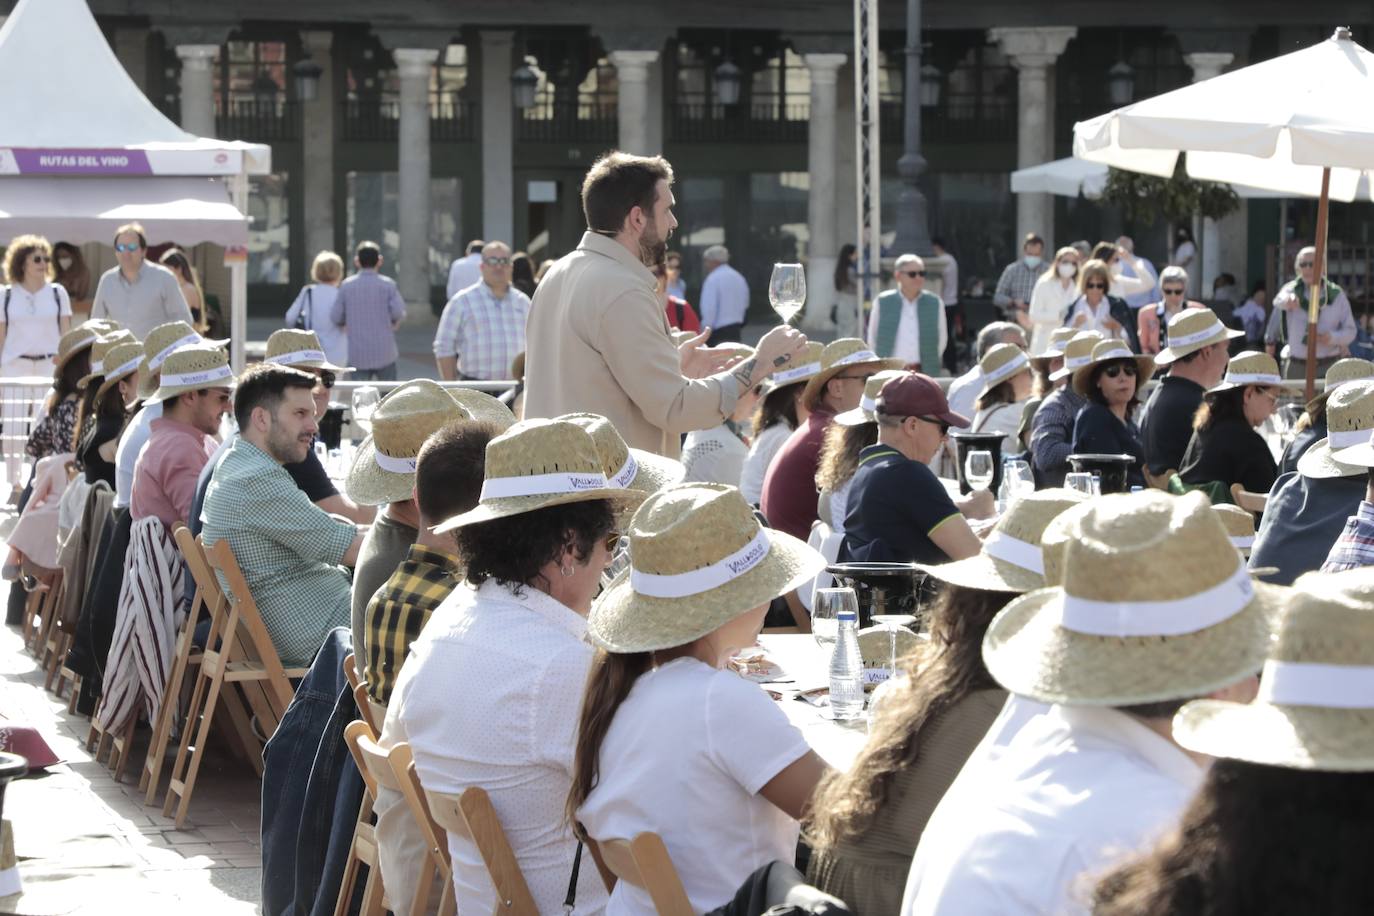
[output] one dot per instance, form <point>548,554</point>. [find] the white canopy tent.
<point>81,146</point>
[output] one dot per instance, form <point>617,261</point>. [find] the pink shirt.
<point>167,469</point>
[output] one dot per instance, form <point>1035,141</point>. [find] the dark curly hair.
<point>513,550</point>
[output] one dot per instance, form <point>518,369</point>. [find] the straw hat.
<point>624,466</point>
<point>869,402</point>
<point>300,350</point>
<point>1078,352</point>
<point>1315,709</point>
<point>383,468</point>
<point>482,407</point>
<point>101,325</point>
<point>103,345</point>
<point>72,343</point>
<point>808,365</point>
<point>1345,451</point>
<point>160,343</point>
<point>1059,338</point>
<point>121,362</point>
<point>839,355</point>
<point>1349,369</point>
<point>1106,351</point>
<point>1239,525</point>
<point>699,559</point>
<point>536,464</point>
<point>1155,605</point>
<point>1251,368</point>
<point>1054,541</point>
<point>1191,330</point>
<point>192,368</point>
<point>1010,559</point>
<point>1002,362</point>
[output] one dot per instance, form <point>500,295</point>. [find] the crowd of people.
<point>1118,702</point>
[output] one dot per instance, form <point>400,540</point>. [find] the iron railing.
<point>260,120</point>
<point>760,121</point>
<point>451,120</point>
<point>588,120</point>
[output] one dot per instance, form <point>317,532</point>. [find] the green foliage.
<point>1147,198</point>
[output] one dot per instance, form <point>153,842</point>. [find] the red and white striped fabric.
<point>151,608</point>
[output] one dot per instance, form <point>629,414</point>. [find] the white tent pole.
<point>238,282</point>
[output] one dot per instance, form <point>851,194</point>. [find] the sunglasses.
<point>612,541</point>
<point>1114,371</point>
<point>496,262</point>
<point>327,378</point>
<point>1307,265</point>
<point>39,259</point>
<point>944,427</point>
<point>1173,292</point>
<point>1094,286</point>
<point>914,273</point>
<point>128,246</point>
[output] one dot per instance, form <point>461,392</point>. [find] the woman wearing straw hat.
<point>1051,436</point>
<point>779,413</point>
<point>1225,448</point>
<point>1284,820</point>
<point>53,433</point>
<point>1007,385</point>
<point>112,388</point>
<point>866,822</point>
<point>717,454</point>
<point>851,433</point>
<point>1311,426</point>
<point>491,692</point>
<point>671,741</point>
<point>1155,608</point>
<point>1111,382</point>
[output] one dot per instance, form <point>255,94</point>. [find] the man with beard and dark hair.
<point>289,549</point>
<point>597,340</point>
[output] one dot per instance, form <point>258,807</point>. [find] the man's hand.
<point>1080,319</point>
<point>979,504</point>
<point>1323,339</point>
<point>700,361</point>
<point>778,350</point>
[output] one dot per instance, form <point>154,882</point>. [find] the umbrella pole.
<point>1318,271</point>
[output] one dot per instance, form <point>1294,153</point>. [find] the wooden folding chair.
<point>238,651</point>
<point>643,862</point>
<point>350,670</point>
<point>375,769</point>
<point>472,817</point>
<point>403,765</point>
<point>1250,502</point>
<point>367,710</point>
<point>58,641</point>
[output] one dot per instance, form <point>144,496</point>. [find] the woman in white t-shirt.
<point>311,309</point>
<point>37,312</point>
<point>671,740</point>
<point>1007,383</point>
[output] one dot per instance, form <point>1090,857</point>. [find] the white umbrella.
<point>1074,177</point>
<point>1293,124</point>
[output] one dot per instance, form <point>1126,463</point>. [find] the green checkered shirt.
<point>399,611</point>
<point>288,548</point>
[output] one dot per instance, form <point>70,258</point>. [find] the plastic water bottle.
<point>846,670</point>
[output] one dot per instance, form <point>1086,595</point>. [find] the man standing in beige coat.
<point>597,339</point>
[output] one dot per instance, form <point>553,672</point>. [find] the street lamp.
<point>930,86</point>
<point>727,78</point>
<point>306,74</point>
<point>913,234</point>
<point>1121,83</point>
<point>523,83</point>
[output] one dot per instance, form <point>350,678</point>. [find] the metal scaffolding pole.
<point>867,146</point>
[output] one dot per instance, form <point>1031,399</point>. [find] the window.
<point>372,211</point>
<point>251,77</point>
<point>269,229</point>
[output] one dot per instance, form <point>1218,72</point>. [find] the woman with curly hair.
<point>849,434</point>
<point>865,822</point>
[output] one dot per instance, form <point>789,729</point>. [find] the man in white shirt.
<point>724,296</point>
<point>467,270</point>
<point>963,391</point>
<point>1027,826</point>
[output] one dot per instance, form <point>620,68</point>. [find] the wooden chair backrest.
<point>403,763</point>
<point>472,817</point>
<point>350,670</point>
<point>1250,502</point>
<point>208,593</point>
<point>247,627</point>
<point>366,709</point>
<point>354,733</point>
<point>644,862</point>
<point>377,759</point>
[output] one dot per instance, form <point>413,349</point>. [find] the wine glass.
<point>787,290</point>
<point>365,399</point>
<point>620,561</point>
<point>978,469</point>
<point>1018,471</point>
<point>1081,481</point>
<point>825,613</point>
<point>892,623</point>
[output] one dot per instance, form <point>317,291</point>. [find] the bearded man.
<point>598,340</point>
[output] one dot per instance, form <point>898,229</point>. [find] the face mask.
<point>1067,270</point>
<point>64,263</point>
<point>1032,261</point>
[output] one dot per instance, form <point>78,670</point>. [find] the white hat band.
<point>394,465</point>
<point>298,356</point>
<point>1251,378</point>
<point>862,356</point>
<point>217,374</point>
<point>1185,340</point>
<point>1077,362</point>
<point>682,585</point>
<point>1345,438</point>
<point>1019,553</point>
<point>867,404</point>
<point>130,366</point>
<point>555,484</point>
<point>621,478</point>
<point>1243,542</point>
<point>1178,617</point>
<point>97,367</point>
<point>161,356</point>
<point>1002,373</point>
<point>791,375</point>
<point>1121,352</point>
<point>1317,684</point>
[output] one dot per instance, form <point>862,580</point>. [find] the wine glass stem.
<point>892,650</point>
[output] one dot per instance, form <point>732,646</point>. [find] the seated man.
<point>1196,360</point>
<point>288,548</point>
<point>899,511</point>
<point>182,436</point>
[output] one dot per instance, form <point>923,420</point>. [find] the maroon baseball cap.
<point>912,394</point>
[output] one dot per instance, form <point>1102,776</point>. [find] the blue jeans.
<point>383,374</point>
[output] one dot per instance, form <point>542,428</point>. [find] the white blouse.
<point>31,320</point>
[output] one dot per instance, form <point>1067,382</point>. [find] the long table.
<point>806,665</point>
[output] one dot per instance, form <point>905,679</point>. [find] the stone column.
<point>317,135</point>
<point>198,88</point>
<point>632,101</point>
<point>822,244</point>
<point>131,47</point>
<point>412,275</point>
<point>498,137</point>
<point>1207,64</point>
<point>1033,51</point>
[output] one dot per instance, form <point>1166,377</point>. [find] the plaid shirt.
<point>369,306</point>
<point>288,548</point>
<point>399,611</point>
<point>485,332</point>
<point>1052,434</point>
<point>1355,547</point>
<point>1017,283</point>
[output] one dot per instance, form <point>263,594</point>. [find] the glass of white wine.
<point>787,290</point>
<point>978,469</point>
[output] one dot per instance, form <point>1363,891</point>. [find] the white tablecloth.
<point>806,663</point>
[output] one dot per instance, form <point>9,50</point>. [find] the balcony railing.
<point>450,120</point>
<point>585,120</point>
<point>259,120</point>
<point>759,121</point>
<point>961,120</point>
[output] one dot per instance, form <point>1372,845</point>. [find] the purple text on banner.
<point>83,161</point>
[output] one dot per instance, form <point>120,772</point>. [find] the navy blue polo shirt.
<point>895,504</point>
